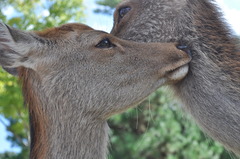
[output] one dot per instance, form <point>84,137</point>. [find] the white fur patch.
<point>180,73</point>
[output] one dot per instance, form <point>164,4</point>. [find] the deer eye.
<point>105,43</point>
<point>123,11</point>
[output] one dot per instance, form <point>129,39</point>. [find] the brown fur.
<point>59,31</point>
<point>38,120</point>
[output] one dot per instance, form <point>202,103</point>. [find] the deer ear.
<point>15,46</point>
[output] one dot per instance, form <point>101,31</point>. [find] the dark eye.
<point>105,43</point>
<point>123,11</point>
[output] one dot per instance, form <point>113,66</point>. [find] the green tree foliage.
<point>28,15</point>
<point>107,6</point>
<point>11,107</point>
<point>158,129</point>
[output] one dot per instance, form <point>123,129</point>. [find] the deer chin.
<point>178,74</point>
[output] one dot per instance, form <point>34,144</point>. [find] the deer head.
<point>80,61</point>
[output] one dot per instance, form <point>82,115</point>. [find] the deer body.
<point>211,90</point>
<point>74,78</point>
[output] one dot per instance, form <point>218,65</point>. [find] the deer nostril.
<point>185,48</point>
<point>181,47</point>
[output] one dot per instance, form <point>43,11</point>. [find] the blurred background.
<point>157,129</point>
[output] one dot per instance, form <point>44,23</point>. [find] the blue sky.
<point>231,9</point>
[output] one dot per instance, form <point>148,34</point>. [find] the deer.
<point>74,78</point>
<point>210,92</point>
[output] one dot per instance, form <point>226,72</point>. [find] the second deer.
<point>211,90</point>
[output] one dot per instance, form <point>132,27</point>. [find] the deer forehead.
<point>70,35</point>
<point>63,31</point>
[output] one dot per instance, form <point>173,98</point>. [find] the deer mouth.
<point>178,74</point>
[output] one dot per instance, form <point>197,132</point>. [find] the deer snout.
<point>180,72</point>
<point>185,48</point>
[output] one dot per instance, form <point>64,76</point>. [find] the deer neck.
<point>211,91</point>
<point>73,137</point>
<point>57,129</point>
